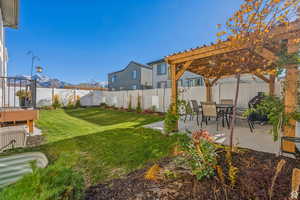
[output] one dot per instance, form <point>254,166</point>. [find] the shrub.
<point>170,122</point>
<point>70,103</point>
<point>103,105</point>
<point>56,102</point>
<point>54,182</point>
<point>273,107</point>
<point>130,104</point>
<point>77,102</point>
<point>153,108</point>
<point>139,106</point>
<point>201,155</point>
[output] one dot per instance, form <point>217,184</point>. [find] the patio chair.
<point>209,109</point>
<point>227,101</point>
<point>196,109</point>
<point>240,115</point>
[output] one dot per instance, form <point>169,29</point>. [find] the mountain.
<point>45,81</point>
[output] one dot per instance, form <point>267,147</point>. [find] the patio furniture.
<point>240,115</point>
<point>209,109</point>
<point>196,109</point>
<point>227,101</point>
<point>225,110</point>
<point>295,140</point>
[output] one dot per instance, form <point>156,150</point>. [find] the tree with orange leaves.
<point>252,28</point>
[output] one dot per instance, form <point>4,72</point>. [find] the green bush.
<point>139,106</point>
<point>130,104</point>
<point>77,102</point>
<point>103,105</point>
<point>273,107</point>
<point>70,104</point>
<point>56,102</point>
<point>201,155</point>
<point>54,182</point>
<point>171,120</point>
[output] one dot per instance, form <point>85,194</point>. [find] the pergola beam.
<point>262,77</point>
<point>267,54</point>
<point>183,69</point>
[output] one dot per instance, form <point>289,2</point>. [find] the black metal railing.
<point>11,143</point>
<point>17,93</point>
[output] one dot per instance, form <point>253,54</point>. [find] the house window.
<point>134,75</point>
<point>162,84</point>
<point>161,69</point>
<point>134,87</point>
<point>113,78</point>
<point>195,82</point>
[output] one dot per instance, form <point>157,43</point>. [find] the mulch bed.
<point>255,173</point>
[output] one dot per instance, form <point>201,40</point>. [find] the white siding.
<point>146,77</point>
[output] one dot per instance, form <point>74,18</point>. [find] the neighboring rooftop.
<point>156,61</point>
<point>133,62</point>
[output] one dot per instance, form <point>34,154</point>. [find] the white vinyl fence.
<point>44,96</point>
<point>160,98</point>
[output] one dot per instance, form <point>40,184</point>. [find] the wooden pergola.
<point>217,61</point>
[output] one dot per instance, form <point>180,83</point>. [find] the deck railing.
<point>17,93</point>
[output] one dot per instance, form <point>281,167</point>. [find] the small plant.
<point>153,108</point>
<point>77,102</point>
<point>54,182</point>
<point>139,106</point>
<point>201,155</point>
<point>23,93</point>
<point>152,173</point>
<point>103,105</point>
<point>56,102</point>
<point>170,174</point>
<point>171,120</point>
<point>273,107</point>
<point>129,104</point>
<point>232,170</point>
<point>70,104</point>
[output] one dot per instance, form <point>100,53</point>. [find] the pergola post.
<point>174,86</point>
<point>208,90</point>
<point>290,98</point>
<point>272,85</point>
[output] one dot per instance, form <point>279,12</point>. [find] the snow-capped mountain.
<point>45,81</point>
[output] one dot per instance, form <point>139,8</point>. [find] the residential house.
<point>9,17</point>
<point>161,76</point>
<point>135,76</point>
<point>13,110</point>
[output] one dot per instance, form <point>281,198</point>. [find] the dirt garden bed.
<point>254,179</point>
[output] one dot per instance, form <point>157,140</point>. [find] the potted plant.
<point>23,95</point>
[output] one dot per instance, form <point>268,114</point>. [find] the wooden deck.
<point>19,115</point>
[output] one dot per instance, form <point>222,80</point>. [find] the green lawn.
<point>102,144</point>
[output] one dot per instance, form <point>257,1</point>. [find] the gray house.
<point>161,76</point>
<point>133,77</point>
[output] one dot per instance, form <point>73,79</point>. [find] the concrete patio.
<point>259,140</point>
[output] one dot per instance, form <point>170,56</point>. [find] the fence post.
<point>33,95</point>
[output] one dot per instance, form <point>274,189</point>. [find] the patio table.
<point>224,110</point>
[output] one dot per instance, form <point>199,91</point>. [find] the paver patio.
<point>259,140</point>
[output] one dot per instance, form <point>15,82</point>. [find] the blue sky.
<point>79,41</point>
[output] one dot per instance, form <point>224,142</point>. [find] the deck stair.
<point>14,167</point>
